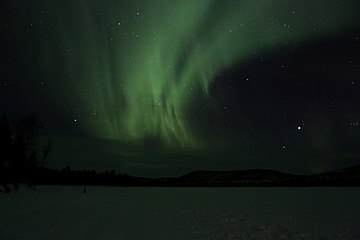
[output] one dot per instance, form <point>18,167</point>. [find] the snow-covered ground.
<point>56,212</point>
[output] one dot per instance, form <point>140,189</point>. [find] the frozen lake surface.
<point>56,212</point>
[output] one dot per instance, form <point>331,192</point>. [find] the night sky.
<point>160,88</point>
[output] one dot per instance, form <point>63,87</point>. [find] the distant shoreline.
<point>346,177</point>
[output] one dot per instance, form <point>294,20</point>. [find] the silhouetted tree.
<point>22,151</point>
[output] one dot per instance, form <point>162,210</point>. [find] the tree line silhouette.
<point>67,176</point>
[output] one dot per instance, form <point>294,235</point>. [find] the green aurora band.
<point>130,69</point>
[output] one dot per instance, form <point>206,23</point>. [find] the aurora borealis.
<point>137,71</point>
<point>138,65</point>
